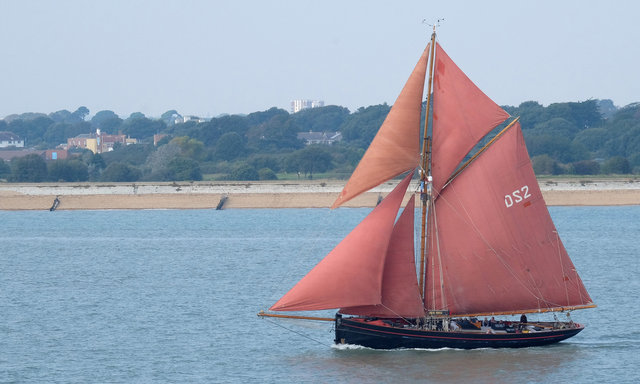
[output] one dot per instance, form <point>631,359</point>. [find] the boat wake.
<point>350,347</point>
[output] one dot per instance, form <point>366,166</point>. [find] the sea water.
<point>172,296</point>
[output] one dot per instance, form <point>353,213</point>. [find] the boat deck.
<point>502,327</point>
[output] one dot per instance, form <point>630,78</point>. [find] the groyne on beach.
<point>267,194</point>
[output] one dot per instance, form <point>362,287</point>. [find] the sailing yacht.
<point>487,245</point>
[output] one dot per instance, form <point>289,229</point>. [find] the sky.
<point>208,58</point>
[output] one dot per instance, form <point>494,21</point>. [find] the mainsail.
<point>494,248</point>
<point>396,147</point>
<point>352,273</point>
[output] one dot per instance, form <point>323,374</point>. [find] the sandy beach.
<point>272,194</point>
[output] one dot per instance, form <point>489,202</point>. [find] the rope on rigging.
<point>298,333</point>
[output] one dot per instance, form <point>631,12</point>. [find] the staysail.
<point>495,248</point>
<point>400,292</point>
<point>396,147</point>
<point>462,115</point>
<point>351,274</point>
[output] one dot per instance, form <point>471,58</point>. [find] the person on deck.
<point>523,319</point>
<point>523,322</point>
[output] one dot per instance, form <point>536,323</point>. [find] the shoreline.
<point>269,194</point>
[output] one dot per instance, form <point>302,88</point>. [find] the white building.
<point>10,139</point>
<point>184,119</point>
<point>298,105</point>
<point>324,138</point>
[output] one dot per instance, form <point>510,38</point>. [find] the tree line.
<point>586,138</point>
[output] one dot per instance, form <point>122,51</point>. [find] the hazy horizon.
<point>211,58</point>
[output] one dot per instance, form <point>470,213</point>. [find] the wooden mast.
<point>425,173</point>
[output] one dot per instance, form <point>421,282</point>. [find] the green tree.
<point>230,146</point>
<point>142,128</point>
<point>258,118</point>
<point>206,132</point>
<point>29,168</point>
<point>95,164</point>
<point>60,116</point>
<point>5,169</point>
<point>278,133</point>
<point>271,161</point>
<point>586,167</point>
<point>586,114</point>
<point>530,112</point>
<point>267,174</point>
<point>346,157</point>
<point>183,168</point>
<point>634,161</point>
<point>58,133</point>
<point>31,130</point>
<point>324,119</point>
<point>79,114</point>
<point>545,165</point>
<point>313,158</point>
<point>158,162</point>
<point>107,121</point>
<point>558,148</point>
<point>96,160</point>
<point>360,127</point>
<point>68,170</point>
<point>617,165</point>
<point>189,147</point>
<point>244,172</point>
<point>556,126</point>
<point>231,123</point>
<point>132,154</point>
<point>170,116</point>
<point>593,138</point>
<point>120,172</point>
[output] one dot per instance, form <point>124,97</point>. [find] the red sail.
<point>462,115</point>
<point>351,274</point>
<point>396,147</point>
<point>400,292</point>
<point>493,244</point>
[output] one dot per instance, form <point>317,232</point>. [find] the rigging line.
<point>298,333</point>
<point>435,225</point>
<point>416,244</point>
<point>566,290</point>
<point>578,283</point>
<point>397,314</point>
<point>433,262</point>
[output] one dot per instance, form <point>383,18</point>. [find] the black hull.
<point>386,337</point>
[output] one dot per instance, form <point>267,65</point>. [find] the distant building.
<point>55,154</point>
<point>10,139</point>
<point>49,154</point>
<point>85,140</point>
<point>98,142</point>
<point>299,105</point>
<point>184,119</point>
<point>324,138</point>
<point>157,137</point>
